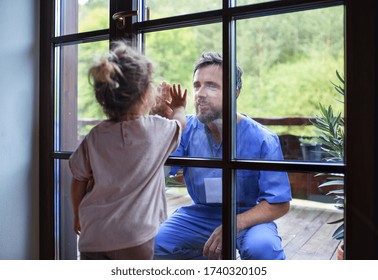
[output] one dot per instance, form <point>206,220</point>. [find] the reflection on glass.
<point>79,110</point>
<point>290,63</point>
<point>168,8</point>
<point>82,16</point>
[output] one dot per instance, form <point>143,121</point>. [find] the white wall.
<point>19,129</point>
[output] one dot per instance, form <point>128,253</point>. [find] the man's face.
<point>207,86</point>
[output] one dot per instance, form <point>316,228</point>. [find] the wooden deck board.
<point>305,232</point>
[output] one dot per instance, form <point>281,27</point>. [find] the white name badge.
<point>213,189</point>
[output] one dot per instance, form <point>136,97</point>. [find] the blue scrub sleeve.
<point>274,185</point>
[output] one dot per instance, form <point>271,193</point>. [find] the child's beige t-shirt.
<point>127,203</point>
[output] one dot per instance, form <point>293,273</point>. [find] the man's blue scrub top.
<point>253,141</point>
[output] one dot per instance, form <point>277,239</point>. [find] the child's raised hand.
<point>163,95</point>
<point>164,91</point>
<point>178,99</point>
<point>178,104</point>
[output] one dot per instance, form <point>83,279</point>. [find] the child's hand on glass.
<point>178,99</point>
<point>163,95</point>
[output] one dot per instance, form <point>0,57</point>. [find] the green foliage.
<point>330,130</point>
<point>330,127</point>
<point>88,53</point>
<point>169,59</point>
<point>168,8</point>
<point>101,22</point>
<point>93,15</point>
<point>288,89</point>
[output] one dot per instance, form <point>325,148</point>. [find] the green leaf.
<point>339,233</point>
<point>332,183</point>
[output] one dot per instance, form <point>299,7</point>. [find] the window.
<point>68,113</point>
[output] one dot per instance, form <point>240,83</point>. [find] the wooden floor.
<point>304,230</point>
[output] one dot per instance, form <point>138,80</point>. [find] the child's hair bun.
<point>120,79</point>
<point>105,72</point>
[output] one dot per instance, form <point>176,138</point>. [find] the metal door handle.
<point>120,18</point>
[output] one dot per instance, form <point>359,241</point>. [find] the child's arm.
<point>178,104</point>
<point>78,191</point>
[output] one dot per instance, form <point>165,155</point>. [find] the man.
<point>195,231</point>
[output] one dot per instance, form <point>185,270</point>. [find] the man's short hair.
<point>215,58</point>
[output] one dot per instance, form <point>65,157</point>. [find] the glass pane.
<point>81,16</point>
<point>174,53</point>
<point>176,191</point>
<point>304,229</point>
<point>254,191</point>
<point>67,238</point>
<point>290,63</point>
<point>168,8</point>
<point>195,211</point>
<point>77,108</point>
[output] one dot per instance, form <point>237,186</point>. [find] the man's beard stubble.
<point>208,117</point>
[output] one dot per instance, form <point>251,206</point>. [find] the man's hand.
<point>213,246</point>
<point>263,212</point>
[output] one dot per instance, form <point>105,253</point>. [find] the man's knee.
<point>262,249</point>
<point>261,242</point>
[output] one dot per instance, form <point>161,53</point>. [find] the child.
<point>123,158</point>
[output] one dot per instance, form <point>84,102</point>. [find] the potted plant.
<point>329,127</point>
<point>310,148</point>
